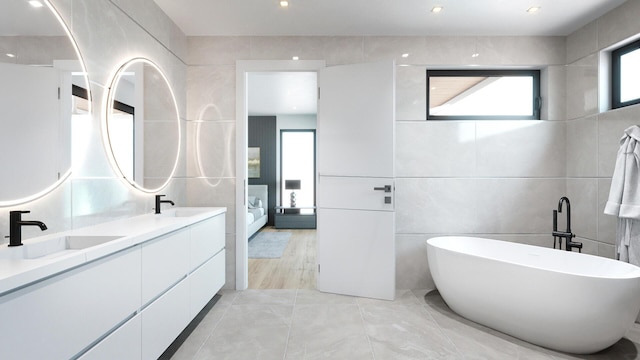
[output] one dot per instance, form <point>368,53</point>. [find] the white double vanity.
<point>118,290</point>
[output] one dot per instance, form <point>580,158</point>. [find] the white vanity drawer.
<point>164,320</point>
<point>206,282</point>
<point>122,344</point>
<point>165,261</point>
<point>58,317</point>
<point>207,238</point>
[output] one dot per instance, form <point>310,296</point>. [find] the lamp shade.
<point>292,184</point>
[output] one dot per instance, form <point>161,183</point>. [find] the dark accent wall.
<point>262,134</point>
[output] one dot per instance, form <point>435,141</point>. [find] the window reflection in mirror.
<point>40,74</point>
<point>483,94</point>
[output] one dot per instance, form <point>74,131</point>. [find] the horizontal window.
<point>625,75</point>
<point>483,94</point>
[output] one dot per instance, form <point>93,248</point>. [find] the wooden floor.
<point>296,269</point>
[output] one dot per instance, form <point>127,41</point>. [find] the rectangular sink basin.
<point>62,245</point>
<point>183,212</point>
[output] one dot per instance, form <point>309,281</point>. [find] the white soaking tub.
<point>561,300</point>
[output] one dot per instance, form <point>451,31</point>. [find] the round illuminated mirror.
<point>43,92</point>
<point>143,125</point>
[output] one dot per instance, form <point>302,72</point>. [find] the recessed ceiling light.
<point>475,55</point>
<point>11,55</point>
<point>35,3</point>
<point>284,3</point>
<point>533,9</point>
<point>295,58</point>
<point>405,55</point>
<point>437,9</point>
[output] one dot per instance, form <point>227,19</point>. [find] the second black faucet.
<point>159,202</point>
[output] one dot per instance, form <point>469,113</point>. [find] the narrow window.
<point>483,94</point>
<point>625,77</point>
<point>298,168</point>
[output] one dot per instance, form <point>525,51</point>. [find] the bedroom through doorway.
<point>281,169</point>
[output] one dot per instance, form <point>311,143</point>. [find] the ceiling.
<point>383,17</point>
<point>282,93</point>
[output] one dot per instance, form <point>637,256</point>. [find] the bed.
<point>257,208</point>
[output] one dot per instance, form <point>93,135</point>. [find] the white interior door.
<point>356,211</point>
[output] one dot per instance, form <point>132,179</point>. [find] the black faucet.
<point>158,202</point>
<point>15,226</point>
<point>567,234</point>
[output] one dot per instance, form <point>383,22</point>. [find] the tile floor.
<point>307,324</point>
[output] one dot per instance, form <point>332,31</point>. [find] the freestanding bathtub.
<point>561,300</point>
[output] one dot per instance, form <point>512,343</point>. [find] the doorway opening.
<point>282,99</point>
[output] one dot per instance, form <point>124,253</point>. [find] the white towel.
<point>624,196</point>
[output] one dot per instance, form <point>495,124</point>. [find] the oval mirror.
<point>142,125</point>
<point>43,91</point>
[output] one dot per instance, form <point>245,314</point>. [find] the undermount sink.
<point>187,212</point>
<point>61,245</point>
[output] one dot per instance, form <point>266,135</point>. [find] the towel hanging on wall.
<point>624,196</point>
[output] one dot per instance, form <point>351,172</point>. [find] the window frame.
<point>616,75</point>
<point>536,100</point>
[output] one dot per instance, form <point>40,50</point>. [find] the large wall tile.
<point>412,266</point>
<point>211,149</point>
<point>214,192</point>
<point>435,206</point>
<point>450,50</point>
<point>285,47</point>
<point>582,42</point>
<point>554,92</point>
<point>619,24</point>
<point>517,206</point>
<point>582,87</point>
<point>217,50</point>
<point>582,147</point>
<point>411,93</point>
<point>392,47</point>
<point>211,92</point>
<point>436,149</point>
<point>339,50</point>
<point>607,224</point>
<point>521,50</point>
<point>520,148</point>
<point>583,194</point>
<point>611,126</point>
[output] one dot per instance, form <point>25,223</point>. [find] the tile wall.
<point>593,131</point>
<point>494,178</point>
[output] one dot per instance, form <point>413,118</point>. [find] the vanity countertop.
<point>17,270</point>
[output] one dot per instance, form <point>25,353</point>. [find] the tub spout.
<point>567,234</point>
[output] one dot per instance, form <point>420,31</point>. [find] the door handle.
<point>386,188</point>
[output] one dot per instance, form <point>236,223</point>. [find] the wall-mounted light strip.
<point>11,55</point>
<point>108,100</point>
<point>35,3</point>
<point>437,9</point>
<point>533,9</point>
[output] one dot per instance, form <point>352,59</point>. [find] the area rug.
<point>268,245</point>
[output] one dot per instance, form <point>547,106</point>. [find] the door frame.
<point>243,67</point>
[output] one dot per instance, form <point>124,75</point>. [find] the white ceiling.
<point>17,17</point>
<point>383,17</point>
<point>282,93</point>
